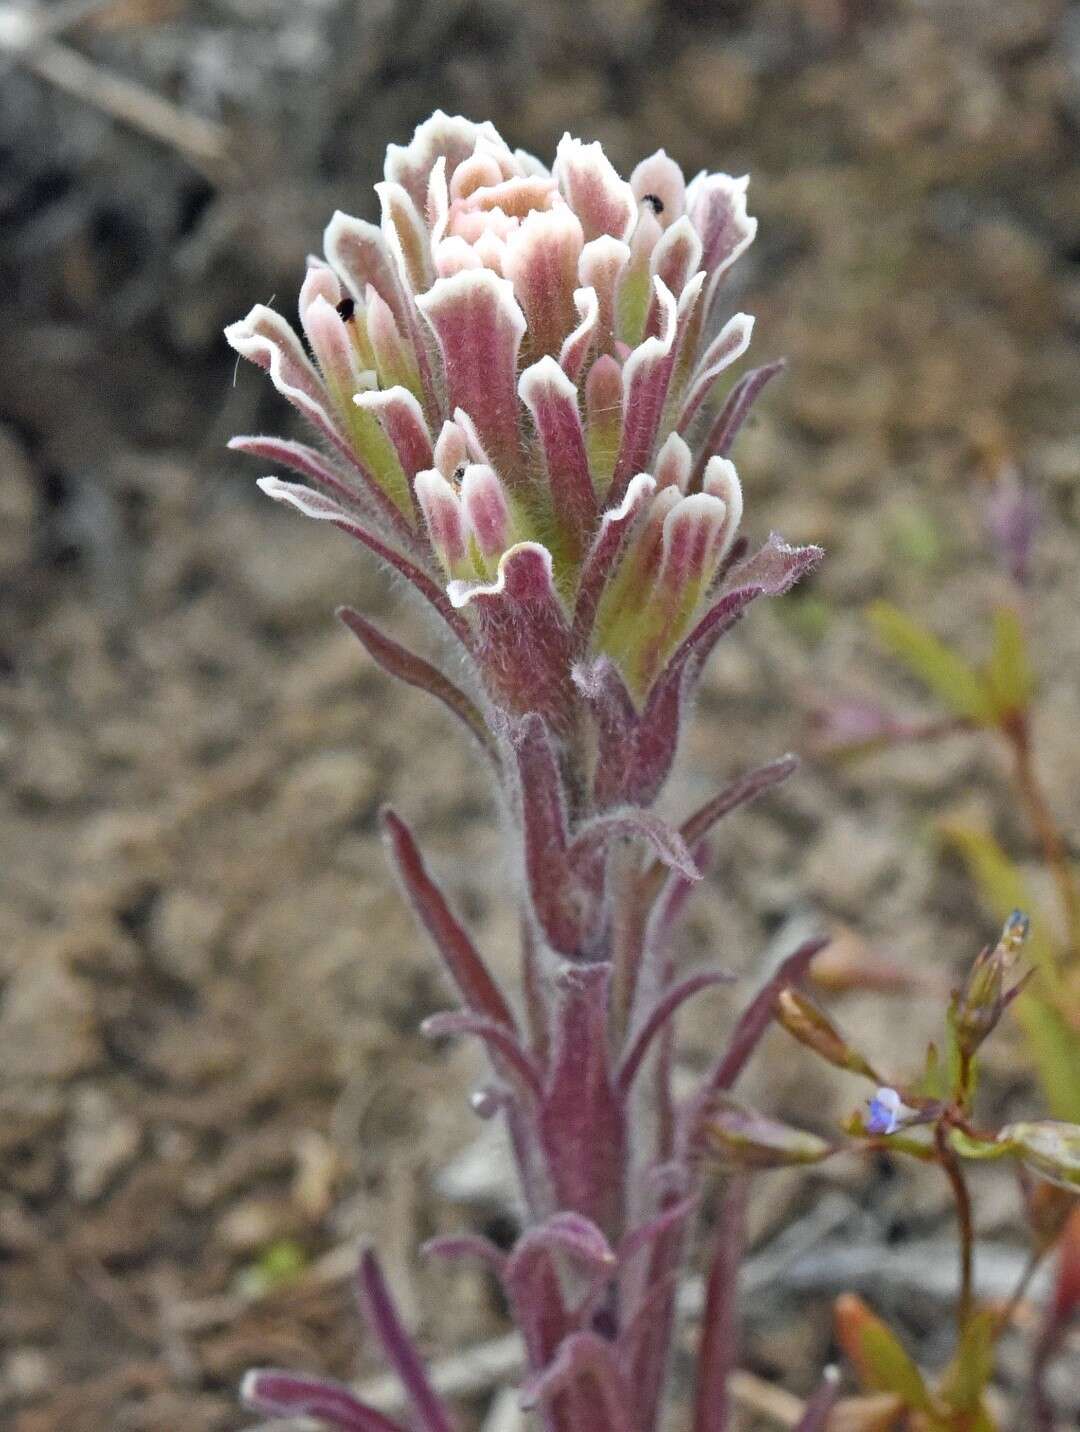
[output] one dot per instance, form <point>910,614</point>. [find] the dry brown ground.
<point>209,991</point>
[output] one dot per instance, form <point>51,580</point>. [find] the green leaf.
<point>942,670</point>
<point>965,1379</point>
<point>1001,885</point>
<point>971,1148</point>
<point>888,1368</point>
<point>1009,670</point>
<point>933,1084</point>
<point>1055,1052</point>
<point>917,536</point>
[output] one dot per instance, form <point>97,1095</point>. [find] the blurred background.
<point>211,1086</point>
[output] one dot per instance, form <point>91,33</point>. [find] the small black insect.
<point>654,201</point>
<point>347,307</point>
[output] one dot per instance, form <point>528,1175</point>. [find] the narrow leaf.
<point>964,1381</point>
<point>415,671</point>
<point>741,791</point>
<point>453,1246</point>
<point>467,969</point>
<point>1009,672</point>
<point>758,1016</point>
<point>585,1365</point>
<point>877,1355</point>
<point>501,1041</point>
<point>322,508</point>
<point>939,668</point>
<point>635,824</point>
<point>736,409</point>
<point>308,462</point>
<point>285,1394</point>
<point>719,1324</point>
<point>815,1416</point>
<point>399,1348</point>
<point>672,1000</point>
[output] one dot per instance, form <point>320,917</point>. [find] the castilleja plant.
<point>513,382</point>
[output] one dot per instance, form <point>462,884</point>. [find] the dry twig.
<point>28,38</point>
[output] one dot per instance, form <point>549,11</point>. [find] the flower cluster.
<point>512,376</point>
<point>513,382</point>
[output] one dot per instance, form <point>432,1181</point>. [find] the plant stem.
<point>1018,733</point>
<point>719,1324</point>
<point>1008,1312</point>
<point>627,938</point>
<point>953,1172</point>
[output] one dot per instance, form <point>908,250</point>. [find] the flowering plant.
<point>514,380</point>
<point>1000,699</point>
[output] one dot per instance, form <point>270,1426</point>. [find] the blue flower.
<point>886,1112</point>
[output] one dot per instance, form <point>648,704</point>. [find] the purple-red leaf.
<point>639,1042</point>
<point>570,1233</point>
<point>359,253</point>
<point>717,205</point>
<point>586,1368</point>
<point>662,1223</point>
<point>324,509</point>
<point>479,326</point>
<point>453,1246</point>
<point>399,1347</point>
<point>741,791</point>
<point>735,411</point>
<point>533,1282</point>
<point>553,402</point>
<point>726,348</point>
<point>285,1394</point>
<point>770,572</point>
<point>600,561</point>
<point>564,895</point>
<point>815,1416</point>
<point>635,751</point>
<point>745,788</point>
<point>415,671</point>
<point>402,420</point>
<point>267,340</point>
<point>603,202</point>
<point>633,823</point>
<point>719,1324</point>
<point>646,377</point>
<point>541,261</point>
<point>758,1015</point>
<point>467,969</point>
<point>576,346</point>
<point>308,462</point>
<point>497,1036</point>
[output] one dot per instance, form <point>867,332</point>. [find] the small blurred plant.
<point>996,698</point>
<point>279,1264</point>
<point>933,1121</point>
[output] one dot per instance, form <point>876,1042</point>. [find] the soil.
<point>211,1084</point>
